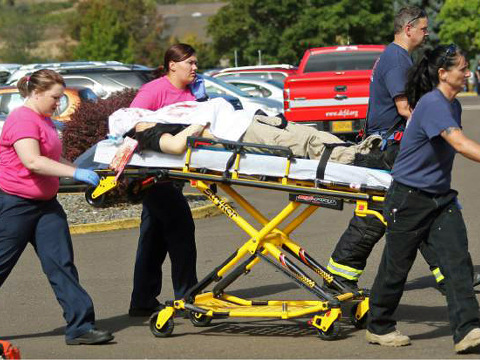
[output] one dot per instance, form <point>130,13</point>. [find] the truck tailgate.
<point>328,96</point>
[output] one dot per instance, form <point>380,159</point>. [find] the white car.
<point>6,70</point>
<point>250,103</point>
<point>266,88</point>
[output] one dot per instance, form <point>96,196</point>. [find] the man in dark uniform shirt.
<point>388,107</point>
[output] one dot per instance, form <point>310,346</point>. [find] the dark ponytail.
<point>418,80</point>
<point>423,76</point>
<point>158,72</point>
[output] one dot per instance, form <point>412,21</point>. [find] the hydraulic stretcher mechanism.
<point>269,243</point>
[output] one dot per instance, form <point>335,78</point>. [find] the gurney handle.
<point>194,142</point>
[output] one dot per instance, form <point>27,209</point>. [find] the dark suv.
<point>104,82</point>
<point>104,78</point>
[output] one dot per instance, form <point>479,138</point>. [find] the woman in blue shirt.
<point>421,206</point>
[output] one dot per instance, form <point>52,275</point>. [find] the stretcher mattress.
<point>251,164</point>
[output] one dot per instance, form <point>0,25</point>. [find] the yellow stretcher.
<point>268,243</point>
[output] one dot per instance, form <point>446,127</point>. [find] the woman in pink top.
<point>167,225</point>
<point>30,164</point>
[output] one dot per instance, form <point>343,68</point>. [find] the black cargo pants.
<point>413,217</point>
<point>349,258</point>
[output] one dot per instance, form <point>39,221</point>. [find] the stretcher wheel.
<point>97,202</point>
<point>165,331</point>
<point>332,333</point>
<point>358,323</point>
<point>199,320</point>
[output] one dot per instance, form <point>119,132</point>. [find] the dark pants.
<point>167,227</point>
<point>44,225</point>
<point>350,256</point>
<point>414,216</point>
<point>356,244</point>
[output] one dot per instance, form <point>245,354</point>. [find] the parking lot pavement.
<point>31,318</point>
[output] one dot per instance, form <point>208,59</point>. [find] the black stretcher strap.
<point>322,164</point>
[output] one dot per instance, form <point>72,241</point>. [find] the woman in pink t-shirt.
<point>30,164</point>
<point>167,225</point>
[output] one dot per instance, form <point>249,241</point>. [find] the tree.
<point>124,30</point>
<point>343,22</point>
<point>20,32</point>
<point>284,29</point>
<point>460,24</point>
<point>252,25</point>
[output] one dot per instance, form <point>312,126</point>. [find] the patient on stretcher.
<point>167,129</point>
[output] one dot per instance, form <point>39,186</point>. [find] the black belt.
<point>416,190</point>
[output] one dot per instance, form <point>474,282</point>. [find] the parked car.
<point>104,78</point>
<point>249,103</point>
<point>274,72</point>
<point>237,104</point>
<point>266,88</point>
<point>10,99</point>
<point>6,70</point>
<point>2,120</point>
<point>331,88</point>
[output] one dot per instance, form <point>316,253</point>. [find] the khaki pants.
<point>304,141</point>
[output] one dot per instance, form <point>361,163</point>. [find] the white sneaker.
<point>395,338</point>
<point>469,342</point>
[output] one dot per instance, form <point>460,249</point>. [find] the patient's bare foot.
<point>195,130</point>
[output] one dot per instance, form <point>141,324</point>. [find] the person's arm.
<point>462,144</point>
<point>28,150</point>
<point>177,144</point>
<point>403,108</point>
<point>66,162</point>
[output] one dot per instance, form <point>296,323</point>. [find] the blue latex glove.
<point>197,88</point>
<point>87,176</point>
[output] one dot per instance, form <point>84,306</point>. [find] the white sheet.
<point>224,121</point>
<point>251,164</point>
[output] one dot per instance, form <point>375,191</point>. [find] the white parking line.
<point>471,107</point>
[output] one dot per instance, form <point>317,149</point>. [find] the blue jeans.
<point>414,216</point>
<point>44,225</point>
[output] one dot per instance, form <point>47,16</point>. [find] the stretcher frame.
<point>268,243</point>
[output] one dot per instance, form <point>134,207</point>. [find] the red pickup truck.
<point>331,87</point>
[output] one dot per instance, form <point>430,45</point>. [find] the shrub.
<point>89,123</point>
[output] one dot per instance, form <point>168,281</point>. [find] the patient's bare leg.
<point>177,144</point>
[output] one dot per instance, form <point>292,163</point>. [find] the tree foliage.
<point>284,29</point>
<point>20,33</point>
<point>460,24</point>
<point>123,30</point>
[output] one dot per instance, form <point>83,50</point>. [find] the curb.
<point>200,212</point>
<point>469,93</point>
